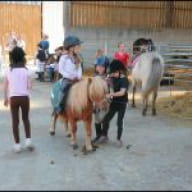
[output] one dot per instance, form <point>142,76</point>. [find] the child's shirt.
<point>68,69</point>
<point>124,58</point>
<point>118,84</point>
<point>18,82</point>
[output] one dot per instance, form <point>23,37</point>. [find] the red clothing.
<point>124,58</point>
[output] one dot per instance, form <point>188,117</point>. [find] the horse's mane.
<point>98,89</point>
<point>89,88</point>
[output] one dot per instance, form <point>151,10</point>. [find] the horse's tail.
<point>158,65</point>
<point>157,68</point>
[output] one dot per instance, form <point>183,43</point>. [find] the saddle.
<point>59,94</point>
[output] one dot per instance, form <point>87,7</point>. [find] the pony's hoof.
<point>154,113</point>
<point>144,113</point>
<point>75,146</point>
<point>85,151</point>
<point>133,106</point>
<point>52,133</point>
<point>95,146</point>
<point>68,135</point>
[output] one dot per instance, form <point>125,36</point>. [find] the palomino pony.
<point>79,106</point>
<point>148,70</point>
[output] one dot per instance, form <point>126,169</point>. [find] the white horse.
<point>148,70</point>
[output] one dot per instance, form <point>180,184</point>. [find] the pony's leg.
<point>88,134</point>
<point>66,128</point>
<point>145,104</point>
<point>73,125</point>
<point>53,124</point>
<point>153,102</point>
<point>133,97</point>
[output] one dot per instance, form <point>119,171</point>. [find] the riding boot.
<point>38,76</point>
<point>63,97</point>
<point>42,76</point>
<point>98,132</point>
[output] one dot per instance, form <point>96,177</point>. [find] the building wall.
<point>22,18</point>
<point>52,18</point>
<point>108,39</point>
<point>132,14</point>
<point>58,22</point>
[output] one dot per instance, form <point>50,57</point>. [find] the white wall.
<point>52,18</point>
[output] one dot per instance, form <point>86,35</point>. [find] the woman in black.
<point>119,102</point>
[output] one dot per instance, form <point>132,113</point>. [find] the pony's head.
<point>86,92</point>
<point>97,89</point>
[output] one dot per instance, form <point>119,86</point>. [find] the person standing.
<point>100,70</point>
<point>40,59</point>
<point>59,51</point>
<point>17,83</point>
<point>21,42</point>
<point>45,44</point>
<point>119,98</point>
<point>122,55</point>
<point>101,59</point>
<point>11,44</point>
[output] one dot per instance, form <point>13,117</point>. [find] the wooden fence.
<point>22,19</point>
<point>132,14</point>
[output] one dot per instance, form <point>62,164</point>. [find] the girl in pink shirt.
<point>16,93</point>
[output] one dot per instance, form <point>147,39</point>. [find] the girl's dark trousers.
<point>17,102</point>
<point>120,110</point>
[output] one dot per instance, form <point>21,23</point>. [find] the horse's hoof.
<point>144,113</point>
<point>154,113</point>
<point>85,151</point>
<point>95,146</point>
<point>83,148</point>
<point>68,135</point>
<point>52,133</point>
<point>133,106</point>
<point>75,146</point>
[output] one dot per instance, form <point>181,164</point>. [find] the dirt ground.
<point>159,157</point>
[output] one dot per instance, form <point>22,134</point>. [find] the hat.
<point>100,62</point>
<point>116,65</point>
<point>71,41</point>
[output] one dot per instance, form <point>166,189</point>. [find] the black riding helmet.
<point>71,41</point>
<point>116,65</point>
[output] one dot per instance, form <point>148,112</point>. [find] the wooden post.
<point>169,13</point>
<point>66,15</point>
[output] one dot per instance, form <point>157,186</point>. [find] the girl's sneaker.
<point>28,144</point>
<point>103,139</point>
<point>119,143</point>
<point>17,148</point>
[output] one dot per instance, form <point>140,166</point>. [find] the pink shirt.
<point>18,83</point>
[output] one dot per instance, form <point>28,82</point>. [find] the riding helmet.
<point>71,41</point>
<point>116,65</point>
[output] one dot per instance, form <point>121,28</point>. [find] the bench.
<point>178,63</point>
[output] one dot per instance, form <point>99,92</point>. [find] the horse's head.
<point>97,89</point>
<point>142,45</point>
<point>86,92</point>
<point>101,110</point>
<point>97,94</point>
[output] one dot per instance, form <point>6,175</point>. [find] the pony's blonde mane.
<point>98,89</point>
<point>91,88</point>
